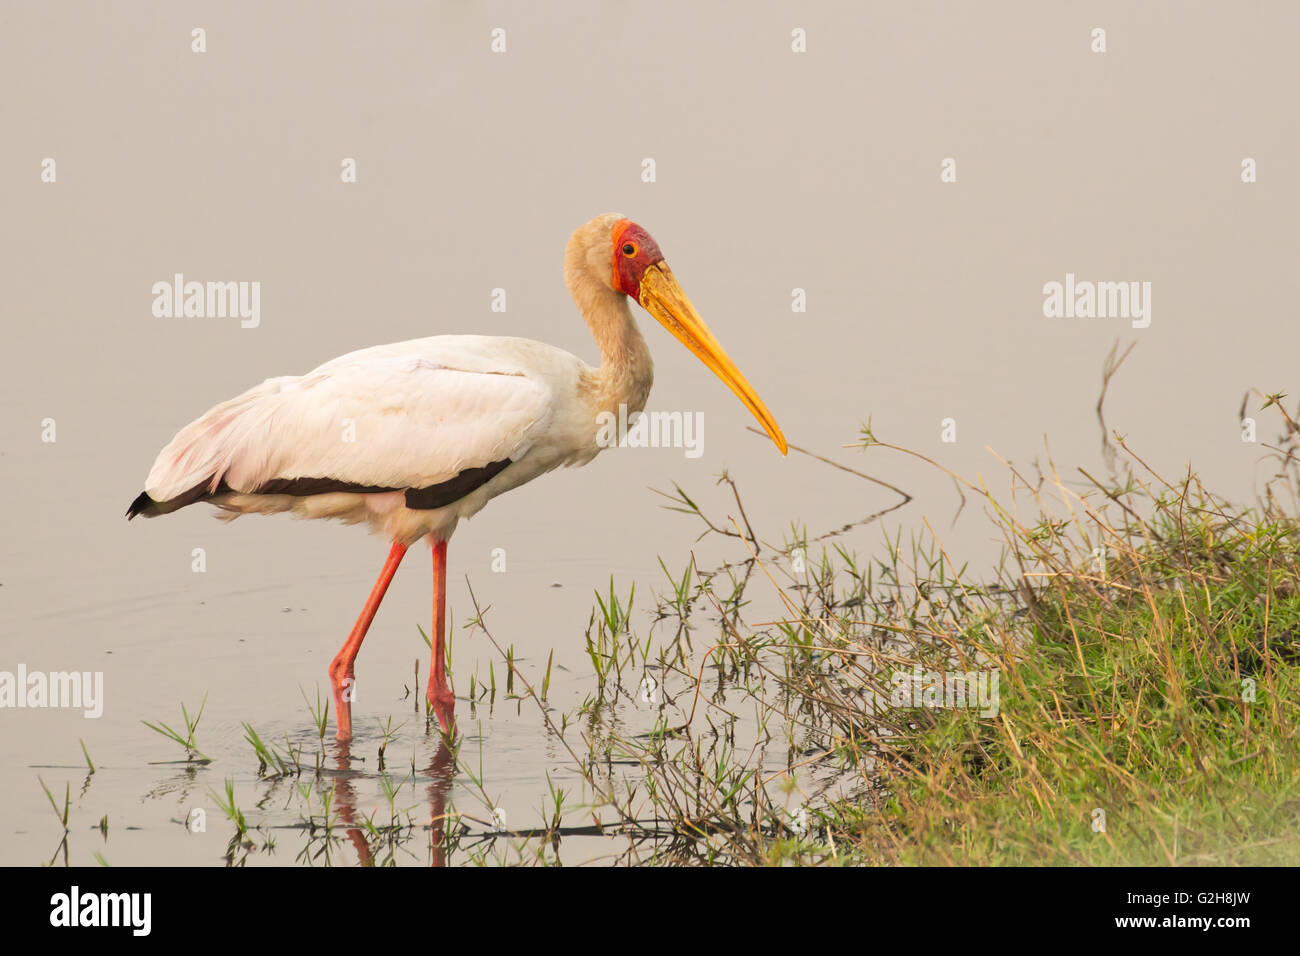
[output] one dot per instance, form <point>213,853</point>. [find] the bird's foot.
<point>443,704</point>
<point>343,682</point>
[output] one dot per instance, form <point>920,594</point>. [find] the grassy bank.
<point>1144,635</point>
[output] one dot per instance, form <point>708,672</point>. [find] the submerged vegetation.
<point>1122,689</point>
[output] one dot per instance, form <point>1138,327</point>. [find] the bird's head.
<point>632,264</point>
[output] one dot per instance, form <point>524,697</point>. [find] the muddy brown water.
<point>775,171</point>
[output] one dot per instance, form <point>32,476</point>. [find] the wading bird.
<point>414,436</point>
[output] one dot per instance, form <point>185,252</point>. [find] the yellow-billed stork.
<point>414,436</point>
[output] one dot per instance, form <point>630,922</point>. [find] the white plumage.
<point>407,415</point>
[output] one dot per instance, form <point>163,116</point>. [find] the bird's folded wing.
<point>381,421</point>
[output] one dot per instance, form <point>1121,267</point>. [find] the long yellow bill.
<point>662,297</point>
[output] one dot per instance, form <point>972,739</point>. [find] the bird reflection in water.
<point>440,772</point>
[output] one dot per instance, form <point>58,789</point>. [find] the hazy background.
<point>775,170</point>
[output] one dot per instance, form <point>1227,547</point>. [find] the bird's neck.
<point>626,370</point>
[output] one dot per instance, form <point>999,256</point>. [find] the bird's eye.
<point>629,249</point>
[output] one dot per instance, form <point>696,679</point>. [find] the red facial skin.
<point>634,252</point>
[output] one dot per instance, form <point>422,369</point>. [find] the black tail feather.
<point>143,505</point>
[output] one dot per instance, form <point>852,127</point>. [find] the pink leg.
<point>342,675</point>
<point>440,697</point>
